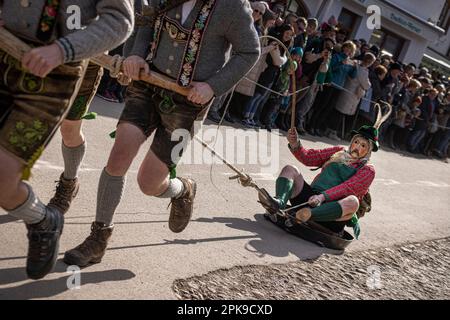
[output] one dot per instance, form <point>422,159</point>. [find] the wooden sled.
<point>312,232</point>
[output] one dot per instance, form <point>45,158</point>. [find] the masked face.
<point>359,148</point>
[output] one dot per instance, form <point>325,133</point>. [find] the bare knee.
<point>128,141</point>
<point>290,171</point>
<point>71,133</point>
<point>119,160</point>
<point>9,184</point>
<point>151,187</point>
<point>153,175</point>
<point>349,205</point>
<point>11,193</point>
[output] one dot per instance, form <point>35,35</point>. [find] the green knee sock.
<point>329,211</point>
<point>283,190</point>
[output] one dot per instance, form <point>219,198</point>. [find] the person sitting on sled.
<point>335,195</point>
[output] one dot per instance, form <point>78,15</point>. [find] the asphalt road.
<point>410,204</point>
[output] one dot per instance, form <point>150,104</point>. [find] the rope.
<point>212,148</point>
<point>372,101</point>
<point>117,66</point>
<point>244,179</point>
<point>277,92</point>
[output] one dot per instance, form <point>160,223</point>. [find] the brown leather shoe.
<point>268,202</point>
<point>92,249</point>
<point>66,191</point>
<point>182,207</point>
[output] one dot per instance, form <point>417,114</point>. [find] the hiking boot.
<point>92,249</point>
<point>182,207</point>
<point>66,191</point>
<point>43,245</point>
<point>271,204</point>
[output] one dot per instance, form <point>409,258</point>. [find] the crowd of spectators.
<point>340,82</point>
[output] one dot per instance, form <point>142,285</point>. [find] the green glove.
<point>356,230</point>
<point>354,223</point>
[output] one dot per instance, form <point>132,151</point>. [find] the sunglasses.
<point>257,11</point>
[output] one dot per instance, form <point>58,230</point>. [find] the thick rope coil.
<point>116,72</point>
<point>117,66</point>
<point>245,180</point>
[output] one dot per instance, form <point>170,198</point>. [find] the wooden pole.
<point>294,99</point>
<point>17,48</point>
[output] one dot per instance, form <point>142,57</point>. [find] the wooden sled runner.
<point>312,232</point>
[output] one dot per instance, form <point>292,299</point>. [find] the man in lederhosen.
<point>74,144</point>
<point>187,42</point>
<point>35,96</point>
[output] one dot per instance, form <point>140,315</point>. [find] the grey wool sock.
<point>32,210</point>
<point>72,160</point>
<point>175,189</point>
<point>109,194</point>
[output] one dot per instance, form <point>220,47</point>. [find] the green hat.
<point>371,134</point>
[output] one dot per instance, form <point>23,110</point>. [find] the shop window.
<point>444,19</point>
<point>298,7</point>
<point>347,22</point>
<point>388,41</point>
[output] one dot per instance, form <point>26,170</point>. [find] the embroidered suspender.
<point>194,41</point>
<point>48,20</point>
<point>194,44</point>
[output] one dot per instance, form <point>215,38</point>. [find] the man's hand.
<point>325,54</point>
<point>292,138</point>
<point>201,93</point>
<point>316,200</point>
<point>132,67</point>
<point>41,61</point>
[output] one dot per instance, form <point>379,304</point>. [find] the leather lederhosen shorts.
<point>88,89</point>
<point>32,108</point>
<point>153,109</point>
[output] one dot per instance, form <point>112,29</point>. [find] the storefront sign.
<point>405,23</point>
<point>394,15</point>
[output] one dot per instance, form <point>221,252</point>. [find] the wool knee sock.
<point>109,194</point>
<point>32,210</point>
<point>72,160</point>
<point>329,211</point>
<point>175,189</point>
<point>283,190</point>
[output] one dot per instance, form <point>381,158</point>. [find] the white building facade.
<point>409,29</point>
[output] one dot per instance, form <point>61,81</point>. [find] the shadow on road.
<point>49,288</point>
<point>271,240</point>
<point>266,239</point>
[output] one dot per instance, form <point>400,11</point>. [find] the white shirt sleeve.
<point>187,8</point>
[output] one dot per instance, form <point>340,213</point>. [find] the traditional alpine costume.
<point>188,42</point>
<point>32,107</point>
<point>342,176</point>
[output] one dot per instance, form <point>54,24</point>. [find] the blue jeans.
<point>255,103</point>
<point>415,139</point>
<point>443,144</point>
<point>252,105</point>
